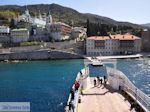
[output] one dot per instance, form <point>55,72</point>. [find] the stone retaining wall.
<point>39,55</point>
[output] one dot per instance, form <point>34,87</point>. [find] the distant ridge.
<point>146,25</point>
<point>65,14</point>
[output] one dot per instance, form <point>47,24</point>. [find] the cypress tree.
<point>88,28</point>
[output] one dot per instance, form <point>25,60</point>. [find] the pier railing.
<point>138,95</point>
<point>122,81</point>
<point>74,103</point>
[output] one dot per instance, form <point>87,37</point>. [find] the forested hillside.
<point>69,16</point>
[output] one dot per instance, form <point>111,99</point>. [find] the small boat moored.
<point>97,63</point>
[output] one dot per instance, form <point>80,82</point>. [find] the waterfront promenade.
<point>103,99</point>
<point>116,57</point>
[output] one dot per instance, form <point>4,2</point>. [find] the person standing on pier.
<point>71,106</point>
<point>72,94</point>
<point>101,80</point>
<point>76,85</point>
<point>98,80</point>
<point>94,82</point>
<point>81,74</point>
<point>104,79</point>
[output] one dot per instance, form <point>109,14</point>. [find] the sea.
<point>46,84</point>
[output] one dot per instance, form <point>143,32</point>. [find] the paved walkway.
<point>103,99</point>
<point>116,57</point>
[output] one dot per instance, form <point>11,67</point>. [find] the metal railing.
<point>80,76</point>
<point>141,98</point>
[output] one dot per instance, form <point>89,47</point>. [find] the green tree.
<point>13,23</point>
<point>88,28</point>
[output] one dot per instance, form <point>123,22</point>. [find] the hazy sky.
<point>136,11</point>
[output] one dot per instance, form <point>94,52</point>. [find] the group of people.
<point>98,80</point>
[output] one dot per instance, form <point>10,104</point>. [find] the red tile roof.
<point>99,38</point>
<point>124,37</point>
<point>116,37</point>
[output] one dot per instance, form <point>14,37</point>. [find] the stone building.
<point>78,32</point>
<point>19,35</point>
<point>59,31</point>
<point>113,45</point>
<point>146,40</point>
<point>4,34</point>
<point>38,34</point>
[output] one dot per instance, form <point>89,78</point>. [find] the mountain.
<point>65,14</point>
<point>146,25</point>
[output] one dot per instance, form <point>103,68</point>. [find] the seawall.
<point>39,55</point>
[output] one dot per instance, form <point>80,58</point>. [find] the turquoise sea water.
<point>46,84</point>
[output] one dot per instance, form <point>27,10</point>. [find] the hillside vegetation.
<point>60,13</point>
<point>98,25</point>
<point>146,25</point>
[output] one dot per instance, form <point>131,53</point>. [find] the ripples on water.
<point>138,71</point>
<point>46,84</point>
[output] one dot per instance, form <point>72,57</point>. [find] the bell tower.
<point>49,19</point>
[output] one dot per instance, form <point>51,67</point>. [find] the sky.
<point>135,11</point>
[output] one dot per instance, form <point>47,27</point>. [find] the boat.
<point>15,61</point>
<point>116,90</point>
<point>97,63</point>
<point>6,61</point>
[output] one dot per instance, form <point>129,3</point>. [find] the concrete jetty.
<point>116,57</point>
<point>103,99</point>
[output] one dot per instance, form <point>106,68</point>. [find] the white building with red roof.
<point>113,45</point>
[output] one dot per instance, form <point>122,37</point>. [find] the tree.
<point>88,28</point>
<point>13,23</point>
